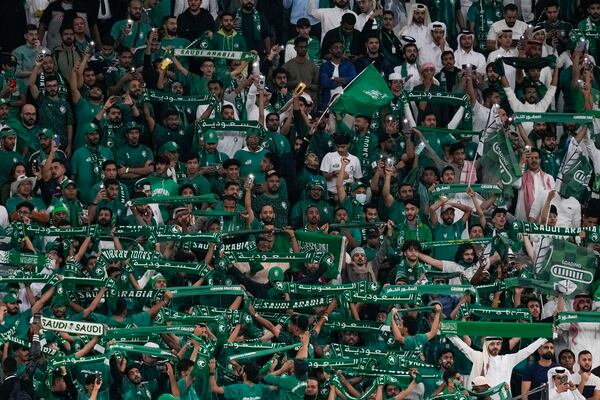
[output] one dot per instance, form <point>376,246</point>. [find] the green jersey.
<point>250,161</point>
<point>277,143</point>
<point>112,135</point>
<point>86,165</point>
<point>133,157</point>
<point>243,391</point>
<point>137,36</point>
<point>442,231</point>
<point>483,14</point>
<point>231,42</point>
<point>27,137</point>
<point>200,183</point>
<point>160,186</point>
<point>290,387</point>
<point>182,137</point>
<point>56,115</point>
<point>13,202</point>
<point>415,343</point>
<point>7,160</point>
<point>86,113</point>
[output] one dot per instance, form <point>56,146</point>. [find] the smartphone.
<point>129,24</point>
<point>57,140</point>
<point>37,318</point>
<point>582,45</point>
<point>261,82</point>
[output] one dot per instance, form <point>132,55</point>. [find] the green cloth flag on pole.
<point>574,176</point>
<point>499,158</point>
<point>364,95</point>
<point>566,265</point>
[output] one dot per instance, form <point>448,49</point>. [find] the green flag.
<point>575,176</point>
<point>498,158</point>
<point>334,245</point>
<point>565,264</point>
<point>365,94</point>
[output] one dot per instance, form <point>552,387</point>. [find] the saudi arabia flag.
<point>364,95</point>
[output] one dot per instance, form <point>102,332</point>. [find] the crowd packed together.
<point>299,199</point>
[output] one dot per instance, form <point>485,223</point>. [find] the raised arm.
<point>435,325</point>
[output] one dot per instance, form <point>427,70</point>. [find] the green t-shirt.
<point>139,319</point>
<point>442,231</point>
<point>86,165</point>
<point>290,387</point>
<point>56,115</point>
<point>187,392</point>
<point>163,135</point>
<point>416,342</point>
<point>7,160</point>
<point>13,202</point>
<point>86,113</point>
<point>133,157</point>
<point>242,391</point>
<point>250,161</point>
<point>137,36</point>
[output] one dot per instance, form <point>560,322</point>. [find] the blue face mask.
<point>361,198</point>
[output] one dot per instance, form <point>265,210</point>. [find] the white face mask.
<point>361,198</point>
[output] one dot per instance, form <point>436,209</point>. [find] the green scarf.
<point>266,352</point>
<point>560,118</point>
<point>444,243</point>
<point>363,287</point>
<point>160,97</point>
<point>264,304</point>
<point>495,314</point>
<point>74,327</point>
<point>527,63</point>
<point>501,329</point>
<point>566,317</point>
<point>179,200</point>
<point>225,54</point>
<point>592,233</point>
<point>255,22</point>
<point>455,99</point>
<point>440,190</point>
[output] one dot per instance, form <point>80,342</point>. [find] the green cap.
<point>253,132</point>
<point>6,132</point>
<point>356,185</point>
<point>316,184</point>
<point>46,133</point>
<point>60,301</point>
<point>131,125</point>
<point>275,274</point>
<point>11,298</point>
<point>66,183</point>
<point>3,102</point>
<point>210,136</point>
<point>59,208</point>
<point>171,147</point>
<point>167,396</point>
<point>53,246</point>
<point>90,128</point>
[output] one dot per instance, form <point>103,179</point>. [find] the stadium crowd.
<point>299,199</point>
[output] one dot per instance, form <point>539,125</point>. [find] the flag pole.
<point>332,101</point>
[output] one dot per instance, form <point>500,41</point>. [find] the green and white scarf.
<point>255,22</point>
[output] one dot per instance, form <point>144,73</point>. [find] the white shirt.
<point>412,70</point>
<point>361,20</point>
<point>472,57</point>
<point>593,380</point>
<point>432,53</point>
<point>330,18</point>
<point>332,162</point>
<point>500,367</point>
<point>569,210</point>
<point>509,71</point>
<point>538,189</point>
<point>497,27</point>
<point>451,266</point>
<point>419,32</point>
<point>482,117</point>
<point>539,107</point>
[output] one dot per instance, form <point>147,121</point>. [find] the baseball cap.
<point>275,274</point>
<point>394,76</point>
<point>356,185</point>
<point>66,183</point>
<point>372,232</point>
<point>46,133</point>
<point>480,381</point>
<point>170,147</point>
<point>446,207</point>
<point>131,125</point>
<point>90,128</point>
<point>11,298</point>
<point>6,132</point>
<point>210,136</point>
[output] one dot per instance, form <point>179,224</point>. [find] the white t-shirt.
<point>332,162</point>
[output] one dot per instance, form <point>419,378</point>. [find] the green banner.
<point>564,118</point>
<point>162,97</point>
<point>499,159</point>
<point>501,329</point>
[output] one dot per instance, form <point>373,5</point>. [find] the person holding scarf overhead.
<point>489,363</point>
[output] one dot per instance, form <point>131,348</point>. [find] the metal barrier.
<point>543,389</point>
